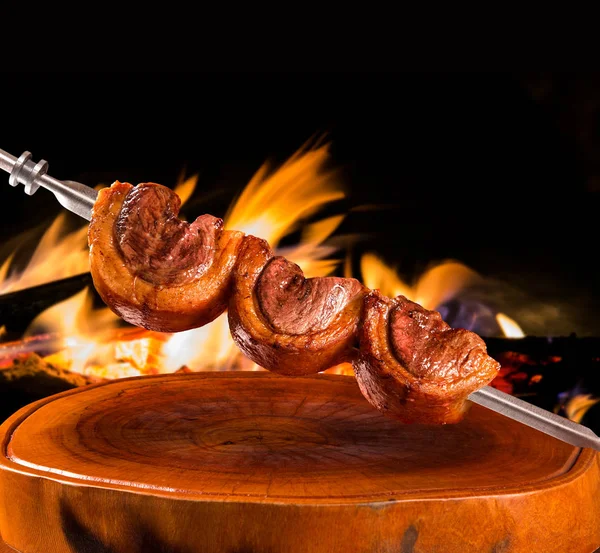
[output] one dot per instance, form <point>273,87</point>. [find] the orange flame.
<point>79,323</point>
<point>72,317</point>
<point>272,205</point>
<point>577,406</point>
<point>275,203</point>
<point>61,254</point>
<point>58,255</point>
<point>435,286</point>
<point>510,327</point>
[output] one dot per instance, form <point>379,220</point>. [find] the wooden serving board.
<point>253,462</point>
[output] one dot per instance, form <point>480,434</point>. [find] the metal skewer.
<point>74,196</point>
<point>549,423</point>
<point>80,199</point>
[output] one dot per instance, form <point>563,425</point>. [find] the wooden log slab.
<point>4,548</point>
<point>245,462</point>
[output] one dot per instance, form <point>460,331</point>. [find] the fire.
<point>74,317</point>
<point>87,334</point>
<point>510,328</point>
<point>578,406</point>
<point>87,343</point>
<point>274,204</point>
<point>62,253</point>
<point>59,254</point>
<point>439,284</point>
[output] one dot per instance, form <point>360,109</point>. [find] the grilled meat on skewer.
<point>286,323</point>
<point>164,274</point>
<point>153,269</point>
<point>414,366</point>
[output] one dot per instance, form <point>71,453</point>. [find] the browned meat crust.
<point>286,323</point>
<point>153,271</point>
<point>414,366</point>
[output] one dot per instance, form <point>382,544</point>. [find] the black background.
<point>495,170</point>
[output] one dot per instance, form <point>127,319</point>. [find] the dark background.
<point>499,171</point>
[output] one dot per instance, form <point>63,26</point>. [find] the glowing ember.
<point>144,353</point>
<point>206,348</point>
<point>342,368</point>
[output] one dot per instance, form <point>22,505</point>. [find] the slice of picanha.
<point>414,366</point>
<point>153,269</point>
<point>287,323</point>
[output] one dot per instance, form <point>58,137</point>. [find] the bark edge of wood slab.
<point>257,462</point>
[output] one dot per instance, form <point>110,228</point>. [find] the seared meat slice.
<point>414,366</point>
<point>153,269</point>
<point>286,323</point>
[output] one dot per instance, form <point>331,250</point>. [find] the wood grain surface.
<point>255,462</point>
<point>4,548</point>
